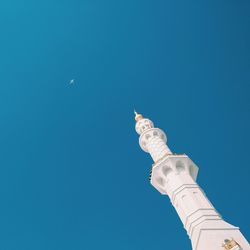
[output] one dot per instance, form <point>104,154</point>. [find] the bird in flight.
<point>72,81</point>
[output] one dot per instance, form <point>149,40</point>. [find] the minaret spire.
<point>137,116</point>
<point>175,175</point>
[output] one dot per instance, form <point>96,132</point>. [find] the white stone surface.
<point>152,140</point>
<point>175,176</point>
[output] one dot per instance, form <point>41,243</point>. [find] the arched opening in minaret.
<point>186,203</point>
<point>180,166</point>
<point>155,133</point>
<point>197,198</point>
<point>160,181</point>
<point>166,170</point>
<point>162,136</point>
<point>192,171</point>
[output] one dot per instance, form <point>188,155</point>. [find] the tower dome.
<point>142,123</point>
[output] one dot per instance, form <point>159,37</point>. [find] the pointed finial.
<point>137,116</point>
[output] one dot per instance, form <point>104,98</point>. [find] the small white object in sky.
<point>72,81</point>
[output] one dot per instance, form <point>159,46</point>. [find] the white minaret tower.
<point>175,175</point>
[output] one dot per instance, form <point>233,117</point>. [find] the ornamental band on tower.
<point>175,175</point>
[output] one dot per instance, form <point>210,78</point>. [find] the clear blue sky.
<point>72,175</point>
